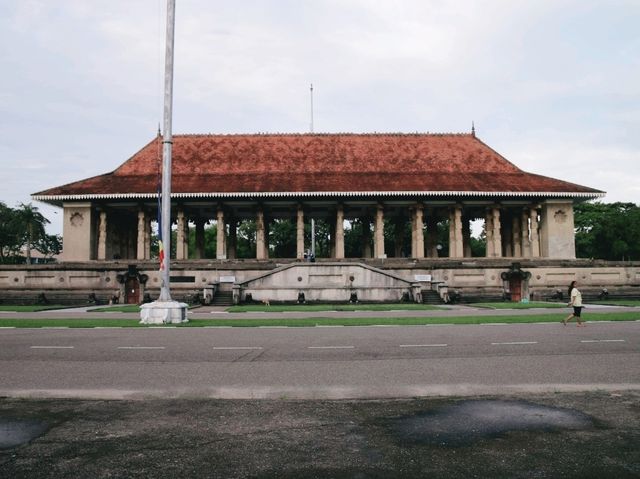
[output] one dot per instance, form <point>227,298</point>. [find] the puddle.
<point>15,432</point>
<point>469,421</point>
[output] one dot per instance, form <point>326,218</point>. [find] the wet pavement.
<point>568,435</point>
<point>16,432</point>
<point>466,422</point>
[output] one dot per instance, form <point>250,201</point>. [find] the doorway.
<point>515,287</point>
<point>132,290</point>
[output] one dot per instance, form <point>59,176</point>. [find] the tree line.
<point>609,231</point>
<point>22,230</point>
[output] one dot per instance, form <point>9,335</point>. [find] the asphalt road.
<point>320,363</point>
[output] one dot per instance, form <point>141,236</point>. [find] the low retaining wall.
<point>73,283</point>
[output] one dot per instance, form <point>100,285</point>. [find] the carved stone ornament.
<point>560,216</point>
<point>76,219</point>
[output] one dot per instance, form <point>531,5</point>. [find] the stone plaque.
<point>423,277</point>
<point>227,279</point>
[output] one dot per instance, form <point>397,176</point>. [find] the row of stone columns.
<point>115,238</point>
<point>515,234</point>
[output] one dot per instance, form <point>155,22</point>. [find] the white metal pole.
<point>167,142</point>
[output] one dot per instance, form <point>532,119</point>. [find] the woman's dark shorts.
<point>577,310</point>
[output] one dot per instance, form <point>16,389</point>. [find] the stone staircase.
<point>223,298</point>
<point>431,297</point>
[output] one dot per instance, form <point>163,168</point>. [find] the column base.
<point>163,312</point>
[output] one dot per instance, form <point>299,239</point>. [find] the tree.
<point>9,233</point>
<point>283,238</point>
<point>246,239</point>
<point>32,226</point>
<point>49,245</point>
<point>607,231</point>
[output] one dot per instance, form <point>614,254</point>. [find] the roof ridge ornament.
<point>473,129</point>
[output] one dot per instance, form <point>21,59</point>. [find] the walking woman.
<point>575,301</point>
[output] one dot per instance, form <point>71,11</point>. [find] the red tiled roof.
<point>308,163</point>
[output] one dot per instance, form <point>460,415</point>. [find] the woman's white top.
<point>576,297</point>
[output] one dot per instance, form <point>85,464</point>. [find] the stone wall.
<point>72,283</point>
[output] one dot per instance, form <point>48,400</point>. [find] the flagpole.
<point>167,144</point>
<point>165,310</point>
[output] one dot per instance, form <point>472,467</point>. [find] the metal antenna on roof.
<point>473,129</point>
<point>311,92</point>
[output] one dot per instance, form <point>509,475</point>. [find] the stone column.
<point>221,236</point>
<point>339,234</point>
<point>452,234</point>
<point>507,236</point>
<point>526,242</point>
<point>417,232</point>
<point>457,216</point>
<point>488,229</point>
<point>199,251</point>
<point>516,240</point>
<point>300,233</point>
<point>260,235</point>
<point>432,235</point>
<point>455,232</point>
<point>102,236</point>
<point>378,238</point>
<point>147,238</point>
<point>398,237</point>
<point>366,238</point>
<point>233,239</point>
<point>497,235</point>
<point>535,239</point>
<point>140,252</point>
<point>181,237</point>
<point>466,238</point>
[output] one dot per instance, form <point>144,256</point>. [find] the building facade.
<point>415,181</point>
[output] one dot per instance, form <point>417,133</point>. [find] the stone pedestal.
<point>163,312</point>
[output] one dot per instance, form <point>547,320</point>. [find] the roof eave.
<point>57,199</point>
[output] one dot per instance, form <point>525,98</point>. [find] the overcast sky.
<point>554,86</point>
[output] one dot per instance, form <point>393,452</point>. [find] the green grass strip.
<point>307,322</point>
<point>126,308</point>
<point>68,323</point>
<point>31,308</point>
<point>618,302</point>
<point>509,305</point>
<point>332,307</point>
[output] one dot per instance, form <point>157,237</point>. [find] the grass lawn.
<point>618,302</point>
<point>125,308</point>
<point>301,322</point>
<point>32,308</point>
<point>509,305</point>
<point>332,307</point>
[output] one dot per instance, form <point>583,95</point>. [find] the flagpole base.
<point>163,312</point>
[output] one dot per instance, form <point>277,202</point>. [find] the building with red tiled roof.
<point>421,179</point>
